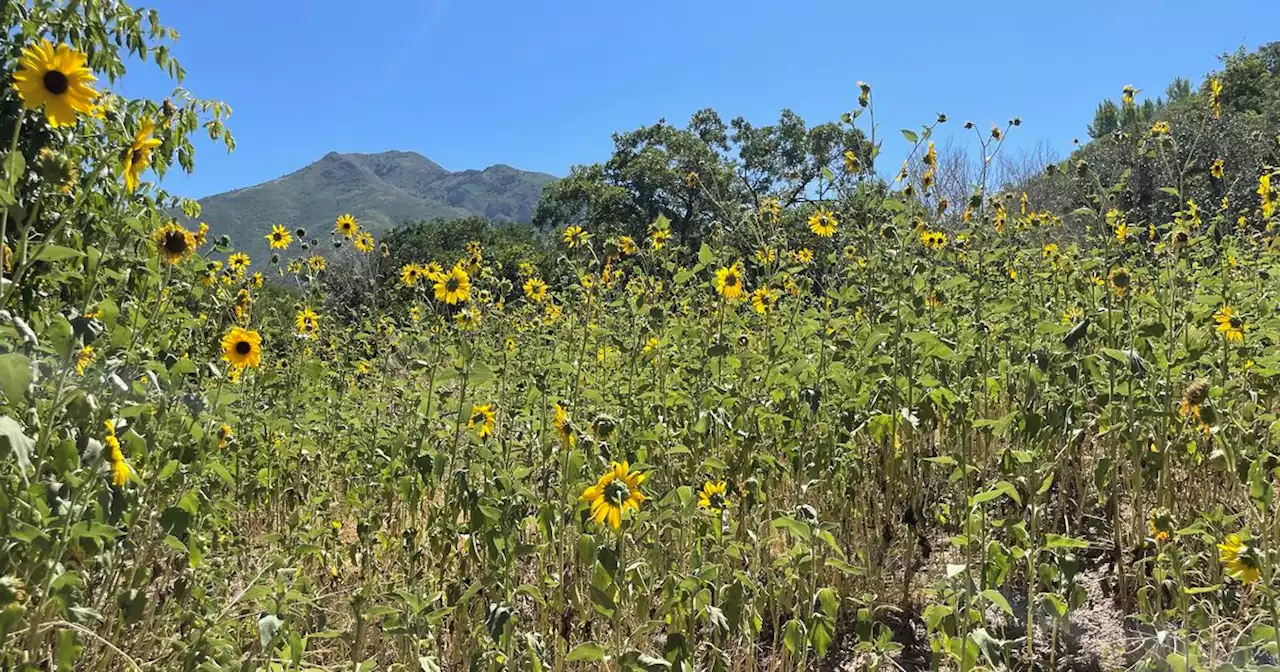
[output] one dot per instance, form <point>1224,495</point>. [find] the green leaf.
<point>994,597</point>
<point>1059,541</point>
<point>587,652</point>
<point>910,135</point>
<point>268,626</point>
<point>15,376</point>
<point>705,255</point>
<point>50,253</point>
<point>20,444</point>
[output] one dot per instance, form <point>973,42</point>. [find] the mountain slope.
<point>381,190</point>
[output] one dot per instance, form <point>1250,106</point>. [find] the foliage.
<point>862,426</point>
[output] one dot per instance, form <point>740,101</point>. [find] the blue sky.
<point>542,85</point>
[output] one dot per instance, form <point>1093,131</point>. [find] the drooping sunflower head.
<point>137,156</point>
<point>224,435</point>
<point>482,420</point>
<point>823,223</point>
<point>174,243</point>
<point>1194,397</point>
<point>279,238</point>
<point>453,287</point>
<point>242,348</point>
<point>1120,280</point>
<point>614,493</point>
<point>1160,525</point>
<point>346,226</point>
<point>713,497</point>
<point>57,78</point>
<point>729,282</point>
<point>468,318</point>
<point>1242,561</point>
<point>84,358</point>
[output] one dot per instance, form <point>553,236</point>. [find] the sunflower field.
<point>860,428</point>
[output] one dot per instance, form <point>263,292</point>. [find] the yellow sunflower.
<point>224,435</point>
<point>613,494</point>
<point>410,274</point>
<point>713,497</point>
<point>823,223</point>
<point>468,318</point>
<point>364,242</point>
<point>56,78</point>
<point>627,246</point>
<point>346,226</point>
<point>1218,169</point>
<point>242,348</point>
<point>83,359</point>
<point>1120,281</point>
<point>763,299</point>
<point>575,236</point>
<point>317,262</point>
<point>658,239</point>
<point>279,238</point>
<point>138,156</point>
<point>728,282</point>
<point>1242,561</point>
<point>535,289</point>
<point>454,287</point>
<point>482,420</point>
<point>174,243</point>
<point>256,279</point>
<point>803,256</point>
<point>238,262</point>
<point>564,426</point>
<point>307,323</point>
<point>1230,324</point>
<point>1160,525</point>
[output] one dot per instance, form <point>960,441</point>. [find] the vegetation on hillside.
<point>805,419</point>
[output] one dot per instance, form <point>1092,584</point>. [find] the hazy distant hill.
<point>381,190</point>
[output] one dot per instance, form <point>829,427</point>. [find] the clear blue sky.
<point>541,85</point>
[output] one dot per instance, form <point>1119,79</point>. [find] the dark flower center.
<point>731,280</point>
<point>56,83</point>
<point>175,242</point>
<point>617,492</point>
<point>138,157</point>
<point>478,418</point>
<point>452,285</point>
<point>1236,322</point>
<point>243,348</point>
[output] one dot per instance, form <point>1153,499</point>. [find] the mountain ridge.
<point>382,190</point>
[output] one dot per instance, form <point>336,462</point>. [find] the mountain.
<point>381,190</point>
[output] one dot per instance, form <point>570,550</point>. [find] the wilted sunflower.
<point>57,78</point>
<point>1160,525</point>
<point>224,435</point>
<point>575,236</point>
<point>242,348</point>
<point>482,420</point>
<point>1120,281</point>
<point>279,238</point>
<point>713,497</point>
<point>364,242</point>
<point>1242,561</point>
<point>238,262</point>
<point>345,226</point>
<point>1230,324</point>
<point>823,223</point>
<point>307,323</point>
<point>763,299</point>
<point>453,287</point>
<point>83,359</point>
<point>728,282</point>
<point>1193,399</point>
<point>138,156</point>
<point>174,243</point>
<point>613,494</point>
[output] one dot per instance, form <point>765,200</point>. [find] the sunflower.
<point>1120,281</point>
<point>415,313</point>
<point>658,239</point>
<point>224,435</point>
<point>238,262</point>
<point>468,318</point>
<point>364,242</point>
<point>57,78</point>
<point>1242,561</point>
<point>823,223</point>
<point>1051,251</point>
<point>1218,169</point>
<point>803,256</point>
<point>851,161</point>
<point>83,359</point>
<point>564,426</point>
<point>614,493</point>
<point>345,226</point>
<point>652,345</point>
<point>242,348</point>
<point>627,246</point>
<point>1160,525</point>
<point>174,242</point>
<point>763,300</point>
<point>766,255</point>
<point>575,236</point>
<point>1230,324</point>
<point>138,156</point>
<point>279,238</point>
<point>317,262</point>
<point>256,279</point>
<point>410,274</point>
<point>771,209</point>
<point>1215,97</point>
<point>1193,399</point>
<point>713,497</point>
<point>453,287</point>
<point>120,470</point>
<point>535,289</point>
<point>307,323</point>
<point>482,419</point>
<point>1128,94</point>
<point>728,282</point>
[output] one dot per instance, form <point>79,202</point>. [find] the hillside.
<point>382,191</point>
